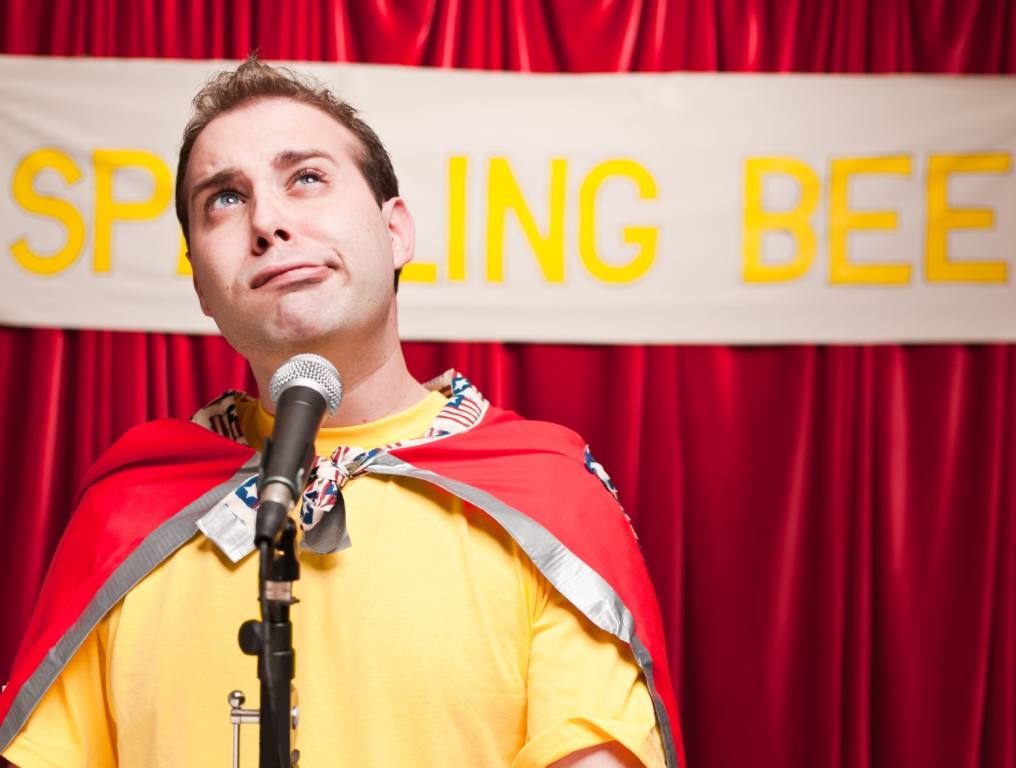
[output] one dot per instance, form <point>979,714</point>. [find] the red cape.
<point>162,476</point>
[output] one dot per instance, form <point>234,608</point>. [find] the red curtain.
<point>831,530</point>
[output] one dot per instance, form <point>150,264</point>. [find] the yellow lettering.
<point>183,265</point>
<point>842,221</point>
<point>796,221</point>
<point>419,272</point>
<point>107,210</point>
<point>24,193</point>
<point>457,167</point>
<point>942,218</point>
<point>644,237</point>
<point>503,194</point>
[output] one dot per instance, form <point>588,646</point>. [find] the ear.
<point>401,230</point>
<point>197,288</point>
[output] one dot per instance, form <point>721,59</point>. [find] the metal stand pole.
<point>271,640</point>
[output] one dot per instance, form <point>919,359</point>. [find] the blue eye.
<point>224,199</point>
<point>308,177</point>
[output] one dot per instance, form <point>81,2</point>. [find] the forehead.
<point>252,135</point>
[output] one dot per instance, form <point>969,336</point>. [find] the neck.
<point>372,388</point>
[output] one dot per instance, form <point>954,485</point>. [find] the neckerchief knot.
<point>230,524</point>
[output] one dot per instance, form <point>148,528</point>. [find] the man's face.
<point>289,248</point>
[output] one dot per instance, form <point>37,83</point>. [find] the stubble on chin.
<point>292,325</point>
<point>306,320</point>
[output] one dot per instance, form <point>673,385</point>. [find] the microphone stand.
<point>271,640</point>
<point>304,389</point>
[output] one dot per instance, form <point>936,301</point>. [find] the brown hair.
<point>255,80</point>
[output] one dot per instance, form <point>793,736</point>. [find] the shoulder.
<point>540,468</point>
<point>150,474</point>
<point>169,455</point>
<point>543,449</point>
<point>147,476</point>
<point>164,442</point>
<point>508,435</point>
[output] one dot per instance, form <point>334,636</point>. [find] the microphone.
<point>303,389</point>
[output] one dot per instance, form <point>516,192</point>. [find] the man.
<point>465,625</point>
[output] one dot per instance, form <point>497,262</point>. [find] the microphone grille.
<point>308,370</point>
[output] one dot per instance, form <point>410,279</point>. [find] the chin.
<point>270,345</point>
<point>302,321</point>
<point>304,317</point>
<point>293,338</point>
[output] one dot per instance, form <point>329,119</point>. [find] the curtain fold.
<point>859,36</point>
<point>831,530</point>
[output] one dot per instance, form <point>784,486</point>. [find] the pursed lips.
<point>295,272</point>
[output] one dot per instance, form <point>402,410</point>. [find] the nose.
<point>268,225</point>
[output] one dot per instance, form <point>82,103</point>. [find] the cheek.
<point>210,279</point>
<point>216,260</point>
<point>229,233</point>
<point>343,221</point>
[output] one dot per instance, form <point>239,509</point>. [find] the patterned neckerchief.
<point>322,516</point>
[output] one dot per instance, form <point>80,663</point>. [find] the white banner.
<point>574,208</point>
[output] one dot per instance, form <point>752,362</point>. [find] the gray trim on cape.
<point>156,547</point>
<point>573,578</point>
<point>582,586</point>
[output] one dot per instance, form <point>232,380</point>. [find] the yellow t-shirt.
<point>432,641</point>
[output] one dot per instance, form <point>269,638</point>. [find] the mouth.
<point>289,274</point>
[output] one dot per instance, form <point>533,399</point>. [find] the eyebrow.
<point>290,157</point>
<point>285,159</point>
